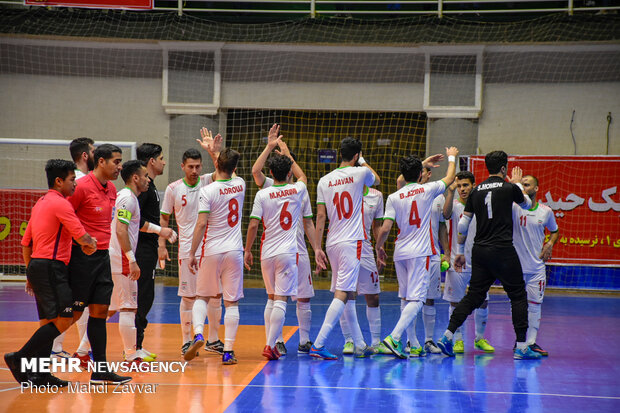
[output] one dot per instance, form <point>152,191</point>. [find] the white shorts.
<point>535,286</point>
<point>412,277</point>
<point>124,293</point>
<point>304,277</point>
<point>456,285</point>
<point>368,282</point>
<point>280,274</point>
<point>187,280</point>
<point>434,281</point>
<point>344,259</point>
<point>221,274</point>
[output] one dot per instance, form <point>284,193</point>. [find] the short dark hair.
<point>466,175</point>
<point>227,161</point>
<point>411,167</point>
<point>349,147</point>
<point>146,151</point>
<point>191,154</point>
<point>58,168</point>
<point>105,151</point>
<point>534,178</point>
<point>78,146</point>
<point>495,160</point>
<point>279,165</point>
<point>131,168</point>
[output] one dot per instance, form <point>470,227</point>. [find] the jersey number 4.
<point>343,204</point>
<point>414,215</point>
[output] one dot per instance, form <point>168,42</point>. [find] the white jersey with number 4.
<point>410,207</point>
<point>182,199</point>
<point>306,212</point>
<point>279,207</point>
<point>223,200</point>
<point>127,211</point>
<point>457,213</point>
<point>529,234</point>
<point>341,192</point>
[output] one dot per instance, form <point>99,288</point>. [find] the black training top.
<point>491,202</point>
<point>149,211</point>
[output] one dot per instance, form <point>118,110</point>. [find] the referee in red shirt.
<point>90,276</point>
<point>46,248</point>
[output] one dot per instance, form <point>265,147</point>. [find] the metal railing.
<point>352,8</point>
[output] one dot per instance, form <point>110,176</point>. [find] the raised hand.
<point>274,136</point>
<point>284,150</point>
<point>209,143</point>
<point>515,175</point>
<point>433,161</point>
<point>452,151</point>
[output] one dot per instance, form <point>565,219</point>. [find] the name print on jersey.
<point>341,181</point>
<point>412,193</point>
<point>283,193</point>
<point>231,190</point>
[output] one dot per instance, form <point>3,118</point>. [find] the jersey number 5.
<point>286,219</point>
<point>343,204</point>
<point>184,199</point>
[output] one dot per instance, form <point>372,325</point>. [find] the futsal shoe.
<point>417,352</point>
<point>348,349</point>
<point>536,348</point>
<point>395,346</point>
<point>527,354</point>
<point>459,347</point>
<point>364,352</point>
<point>446,346</point>
<point>60,354</point>
<point>216,347</point>
<point>108,377</point>
<point>431,348</point>
<point>271,353</point>
<point>84,359</point>
<point>145,352</point>
<point>191,352</point>
<point>229,357</point>
<point>281,348</point>
<point>13,361</point>
<point>185,347</point>
<point>321,353</point>
<point>382,349</point>
<point>304,348</point>
<point>483,345</point>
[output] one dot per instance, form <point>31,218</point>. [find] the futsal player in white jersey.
<point>456,282</point>
<point>217,235</point>
<point>279,208</point>
<point>305,289</point>
<point>368,282</point>
<point>410,207</point>
<point>125,270</point>
<point>181,198</point>
<point>339,198</point>
<point>529,241</point>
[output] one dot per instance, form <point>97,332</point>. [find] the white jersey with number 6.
<point>279,207</point>
<point>341,192</point>
<point>529,234</point>
<point>182,199</point>
<point>223,200</point>
<point>410,208</point>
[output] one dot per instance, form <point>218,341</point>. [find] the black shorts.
<point>90,277</point>
<point>50,282</point>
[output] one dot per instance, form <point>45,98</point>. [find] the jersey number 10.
<point>343,204</point>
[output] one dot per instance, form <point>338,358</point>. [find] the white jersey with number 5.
<point>279,207</point>
<point>457,213</point>
<point>410,208</point>
<point>182,199</point>
<point>341,192</point>
<point>306,212</point>
<point>127,211</point>
<point>529,234</point>
<point>223,200</point>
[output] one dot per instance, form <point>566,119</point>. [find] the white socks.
<point>350,313</point>
<point>374,322</point>
<point>428,317</point>
<point>277,321</point>
<point>304,318</point>
<point>185,313</point>
<point>57,346</point>
<point>344,324</point>
<point>480,317</point>
<point>335,310</point>
<point>533,322</point>
<point>199,314</point>
<point>214,315</point>
<point>127,328</point>
<point>231,323</point>
<point>411,329</point>
<point>267,317</point>
<point>82,325</point>
<point>410,311</point>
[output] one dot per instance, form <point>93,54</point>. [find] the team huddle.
<point>91,251</point>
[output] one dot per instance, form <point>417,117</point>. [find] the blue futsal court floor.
<point>582,372</point>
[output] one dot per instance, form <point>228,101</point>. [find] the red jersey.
<point>52,225</point>
<point>94,206</point>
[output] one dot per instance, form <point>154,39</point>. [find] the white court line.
<point>9,389</point>
<point>4,368</point>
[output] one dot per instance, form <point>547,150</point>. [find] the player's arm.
<point>383,232</point>
<point>432,161</point>
<point>363,163</point>
<point>164,233</point>
<point>375,228</point>
<point>463,227</point>
<point>248,259</point>
<point>199,232</point>
<point>447,206</point>
<point>444,241</point>
<point>515,178</point>
<point>66,216</point>
<point>297,172</point>
<point>162,251</point>
<point>319,254</point>
<point>545,254</point>
<point>272,142</point>
<point>122,233</point>
<point>452,152</point>
<point>213,145</point>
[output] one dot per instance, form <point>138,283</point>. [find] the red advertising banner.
<point>15,207</point>
<point>97,4</point>
<point>582,192</point>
